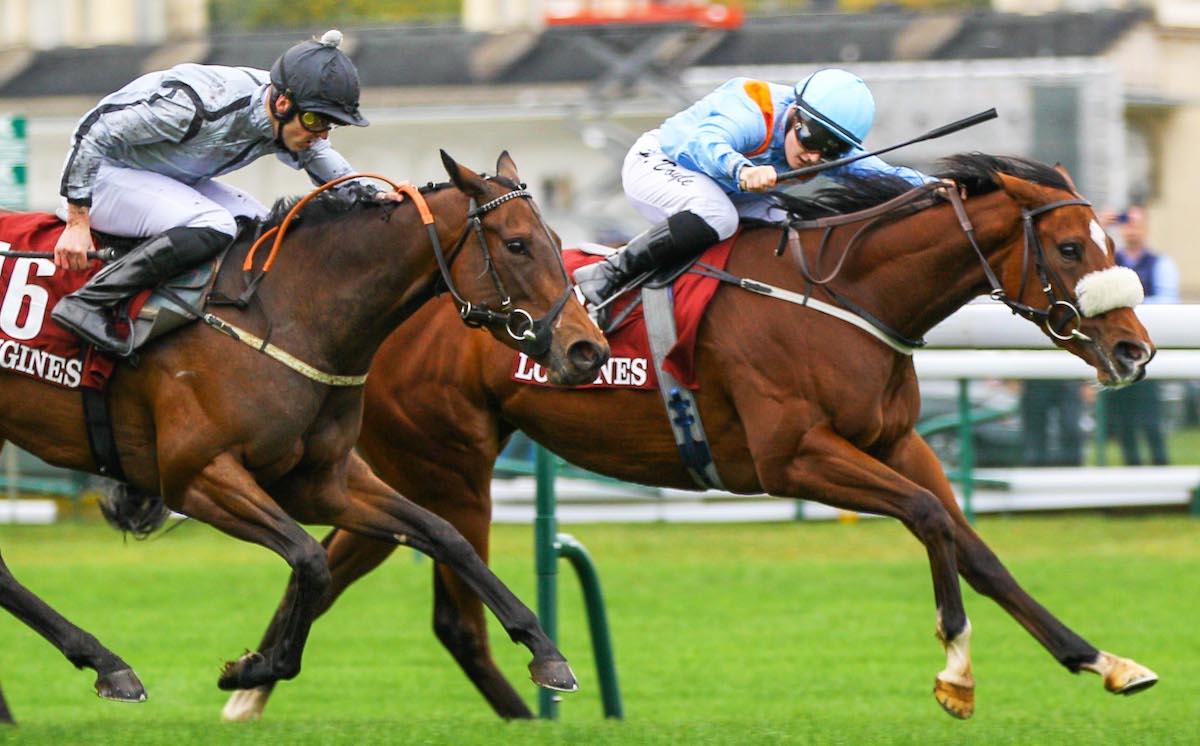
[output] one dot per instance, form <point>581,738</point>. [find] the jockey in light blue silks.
<point>710,164</point>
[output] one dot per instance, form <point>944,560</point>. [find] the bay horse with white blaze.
<point>796,403</point>
<point>233,438</point>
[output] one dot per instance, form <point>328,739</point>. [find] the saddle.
<point>160,310</point>
<point>157,311</point>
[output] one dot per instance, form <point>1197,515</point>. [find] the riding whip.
<point>104,255</point>
<point>933,134</point>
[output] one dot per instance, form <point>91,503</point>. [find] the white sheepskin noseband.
<point>1115,287</point>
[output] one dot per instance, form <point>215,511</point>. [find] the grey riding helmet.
<point>320,78</point>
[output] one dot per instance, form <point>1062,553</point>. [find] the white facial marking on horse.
<point>1099,236</point>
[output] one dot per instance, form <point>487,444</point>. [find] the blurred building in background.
<point>1108,88</point>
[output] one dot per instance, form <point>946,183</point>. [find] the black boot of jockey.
<point>87,310</point>
<point>682,236</point>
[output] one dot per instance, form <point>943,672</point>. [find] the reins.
<point>871,218</point>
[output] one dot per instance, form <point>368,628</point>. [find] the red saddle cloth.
<point>31,343</point>
<point>631,364</point>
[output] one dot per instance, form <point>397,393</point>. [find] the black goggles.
<point>816,137</point>
<point>315,123</point>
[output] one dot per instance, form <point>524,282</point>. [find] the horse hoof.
<point>121,686</point>
<point>1128,677</point>
<point>245,705</point>
<point>556,675</point>
<point>956,699</point>
<point>246,672</point>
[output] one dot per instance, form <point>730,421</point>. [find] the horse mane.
<point>333,204</point>
<point>975,172</point>
<point>850,193</point>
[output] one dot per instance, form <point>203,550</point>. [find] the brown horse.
<point>233,438</point>
<point>796,403</point>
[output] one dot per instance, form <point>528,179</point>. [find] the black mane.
<point>973,171</point>
<point>850,193</point>
<point>976,172</point>
<point>333,204</point>
<point>325,207</point>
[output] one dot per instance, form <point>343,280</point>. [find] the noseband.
<point>532,335</point>
<point>1046,274</point>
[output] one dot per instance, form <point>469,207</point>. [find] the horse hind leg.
<point>115,680</point>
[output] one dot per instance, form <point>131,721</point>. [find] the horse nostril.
<point>586,356</point>
<point>1133,354</point>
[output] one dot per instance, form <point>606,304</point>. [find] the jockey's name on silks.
<point>47,366</point>
<point>617,372</point>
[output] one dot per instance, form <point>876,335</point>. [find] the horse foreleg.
<point>115,680</point>
<point>987,575</point>
<point>832,470</point>
<point>349,557</point>
<point>379,512</point>
<point>225,496</point>
<point>458,621</point>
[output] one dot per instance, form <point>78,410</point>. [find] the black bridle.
<point>1049,279</point>
<point>532,335</point>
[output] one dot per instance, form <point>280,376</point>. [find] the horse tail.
<point>132,511</point>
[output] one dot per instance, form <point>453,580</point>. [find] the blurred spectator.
<point>1136,410</point>
<point>1050,429</point>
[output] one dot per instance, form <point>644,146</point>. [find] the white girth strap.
<point>762,288</point>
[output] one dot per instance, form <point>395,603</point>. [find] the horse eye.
<point>1072,251</point>
<point>517,246</point>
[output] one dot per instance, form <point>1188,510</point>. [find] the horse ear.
<point>464,178</point>
<point>506,168</point>
<point>1063,172</point>
<point>1023,192</point>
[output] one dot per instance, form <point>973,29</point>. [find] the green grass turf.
<point>784,633</point>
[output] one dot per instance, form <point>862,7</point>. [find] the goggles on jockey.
<point>315,123</point>
<point>816,137</point>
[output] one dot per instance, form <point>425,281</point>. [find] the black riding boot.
<point>87,310</point>
<point>681,236</point>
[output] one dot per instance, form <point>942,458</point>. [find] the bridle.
<point>1049,279</point>
<point>532,335</point>
<point>916,199</point>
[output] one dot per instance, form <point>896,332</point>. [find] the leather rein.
<point>919,198</point>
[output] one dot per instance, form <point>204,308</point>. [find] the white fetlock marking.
<point>958,656</point>
<point>244,705</point>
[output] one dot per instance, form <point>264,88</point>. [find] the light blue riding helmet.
<point>839,100</point>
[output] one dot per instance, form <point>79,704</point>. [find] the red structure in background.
<point>709,15</point>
